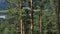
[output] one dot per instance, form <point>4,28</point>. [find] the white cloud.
<point>2,16</point>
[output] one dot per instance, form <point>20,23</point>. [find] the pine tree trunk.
<point>23,28</point>
<point>21,20</point>
<point>40,16</point>
<point>32,21</point>
<point>58,13</point>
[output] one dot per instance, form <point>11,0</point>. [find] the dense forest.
<point>28,17</point>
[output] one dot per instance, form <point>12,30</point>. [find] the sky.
<point>1,1</point>
<point>3,5</point>
<point>2,16</point>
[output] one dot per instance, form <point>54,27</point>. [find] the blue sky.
<point>1,1</point>
<point>3,5</point>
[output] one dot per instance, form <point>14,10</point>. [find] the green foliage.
<point>11,25</point>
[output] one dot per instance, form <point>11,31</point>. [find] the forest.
<point>28,17</point>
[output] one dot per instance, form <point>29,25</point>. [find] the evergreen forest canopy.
<point>11,24</point>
